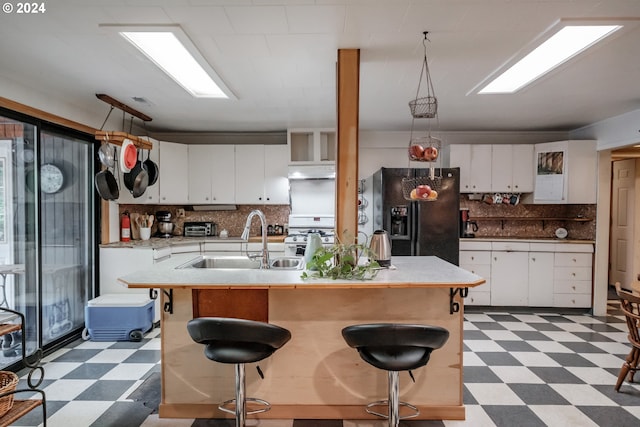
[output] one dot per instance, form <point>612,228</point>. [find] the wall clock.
<point>51,178</point>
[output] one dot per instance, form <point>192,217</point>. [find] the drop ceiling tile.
<point>375,17</point>
<point>258,19</point>
<point>316,19</point>
<point>242,45</point>
<point>201,20</point>
<point>318,47</point>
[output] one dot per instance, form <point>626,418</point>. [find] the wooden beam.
<point>43,115</point>
<point>348,100</point>
<point>121,106</point>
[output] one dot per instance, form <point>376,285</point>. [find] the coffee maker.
<point>467,227</point>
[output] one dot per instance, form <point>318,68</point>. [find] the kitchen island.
<point>316,375</point>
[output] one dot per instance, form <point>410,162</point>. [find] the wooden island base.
<point>316,375</point>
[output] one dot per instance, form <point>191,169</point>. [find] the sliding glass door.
<point>47,231</point>
<point>66,232</point>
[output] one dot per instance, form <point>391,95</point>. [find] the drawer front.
<point>483,271</point>
<point>568,259</point>
<point>572,287</point>
<point>475,257</point>
<point>572,300</point>
<point>572,273</point>
<point>478,298</point>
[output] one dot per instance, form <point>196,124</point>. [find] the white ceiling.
<point>279,58</point>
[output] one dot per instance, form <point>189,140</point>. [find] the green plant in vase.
<point>340,261</point>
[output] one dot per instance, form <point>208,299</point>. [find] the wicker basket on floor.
<point>8,382</point>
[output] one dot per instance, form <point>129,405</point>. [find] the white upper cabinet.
<point>174,178</point>
<point>512,168</point>
<point>307,146</point>
<point>484,168</point>
<point>566,172</point>
<point>276,183</point>
<point>474,161</point>
<point>261,174</point>
<point>211,174</point>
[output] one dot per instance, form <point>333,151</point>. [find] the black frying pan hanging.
<point>152,169</point>
<point>106,185</point>
<point>137,180</point>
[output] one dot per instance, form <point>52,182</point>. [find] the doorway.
<point>621,242</point>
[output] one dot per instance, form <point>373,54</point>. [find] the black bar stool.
<point>395,347</point>
<point>238,341</point>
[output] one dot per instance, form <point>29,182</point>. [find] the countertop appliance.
<point>418,228</point>
<point>165,226</point>
<point>380,248</point>
<point>301,225</point>
<point>467,226</point>
<point>199,229</point>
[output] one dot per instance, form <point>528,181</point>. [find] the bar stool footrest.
<point>267,406</point>
<point>415,410</point>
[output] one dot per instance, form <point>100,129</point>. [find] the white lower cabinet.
<point>478,262</point>
<point>541,279</point>
<point>509,279</point>
<point>572,280</point>
<point>530,274</point>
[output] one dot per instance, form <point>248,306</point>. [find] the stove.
<point>300,226</point>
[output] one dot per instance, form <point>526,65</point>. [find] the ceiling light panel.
<point>566,43</point>
<point>169,48</point>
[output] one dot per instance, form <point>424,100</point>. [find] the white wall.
<point>615,132</point>
<point>54,103</point>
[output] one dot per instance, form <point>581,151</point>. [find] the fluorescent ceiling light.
<point>171,50</point>
<point>561,47</point>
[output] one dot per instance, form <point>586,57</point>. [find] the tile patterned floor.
<point>521,369</point>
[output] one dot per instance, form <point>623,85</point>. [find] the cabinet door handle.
<point>533,259</point>
<point>472,258</point>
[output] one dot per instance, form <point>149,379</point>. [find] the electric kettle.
<point>380,247</point>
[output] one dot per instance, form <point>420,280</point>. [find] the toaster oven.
<point>199,229</point>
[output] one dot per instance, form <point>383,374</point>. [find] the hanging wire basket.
<point>424,149</point>
<point>425,105</point>
<point>422,188</point>
<point>424,108</point>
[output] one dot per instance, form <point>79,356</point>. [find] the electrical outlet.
<point>180,213</point>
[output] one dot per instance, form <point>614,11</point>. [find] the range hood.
<point>312,171</point>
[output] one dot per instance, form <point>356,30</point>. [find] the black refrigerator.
<point>417,227</point>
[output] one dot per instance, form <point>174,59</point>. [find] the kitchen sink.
<point>241,262</point>
<point>287,263</point>
<point>206,261</point>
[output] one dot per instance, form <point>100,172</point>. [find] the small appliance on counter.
<point>200,229</point>
<point>380,247</point>
<point>467,227</point>
<point>165,226</point>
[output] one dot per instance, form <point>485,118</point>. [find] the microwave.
<point>199,229</point>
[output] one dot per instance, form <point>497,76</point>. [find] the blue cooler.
<point>119,317</point>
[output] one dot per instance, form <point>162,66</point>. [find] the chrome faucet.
<point>264,255</point>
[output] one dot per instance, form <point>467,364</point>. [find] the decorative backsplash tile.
<point>231,220</point>
<point>539,228</point>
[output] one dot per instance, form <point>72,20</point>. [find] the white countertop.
<point>426,271</point>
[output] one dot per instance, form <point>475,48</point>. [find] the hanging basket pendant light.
<point>425,105</point>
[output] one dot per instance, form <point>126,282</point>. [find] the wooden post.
<point>348,101</point>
